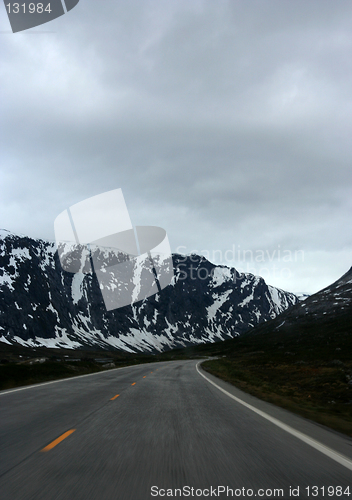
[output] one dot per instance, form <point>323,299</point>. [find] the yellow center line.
<point>117,395</point>
<point>134,383</point>
<point>58,440</point>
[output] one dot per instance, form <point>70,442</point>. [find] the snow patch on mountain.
<point>219,300</point>
<point>77,288</point>
<point>221,275</point>
<point>40,304</point>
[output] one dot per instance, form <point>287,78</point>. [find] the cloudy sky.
<point>228,123</point>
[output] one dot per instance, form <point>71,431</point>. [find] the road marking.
<point>134,383</point>
<point>341,459</point>
<point>58,440</point>
<point>117,395</point>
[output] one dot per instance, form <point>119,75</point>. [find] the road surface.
<point>160,431</point>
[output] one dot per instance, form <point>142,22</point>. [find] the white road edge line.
<point>341,459</point>
<point>64,379</point>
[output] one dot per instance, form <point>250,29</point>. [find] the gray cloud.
<point>227,123</point>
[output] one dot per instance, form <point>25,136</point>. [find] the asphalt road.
<point>169,429</point>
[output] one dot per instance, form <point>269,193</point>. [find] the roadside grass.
<point>317,390</point>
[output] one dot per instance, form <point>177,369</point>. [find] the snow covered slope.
<point>40,304</point>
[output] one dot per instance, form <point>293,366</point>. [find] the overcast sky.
<point>227,123</point>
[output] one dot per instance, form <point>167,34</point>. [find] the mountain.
<point>325,316</point>
<point>42,305</point>
<point>302,296</point>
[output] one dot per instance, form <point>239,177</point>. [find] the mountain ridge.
<point>40,304</point>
